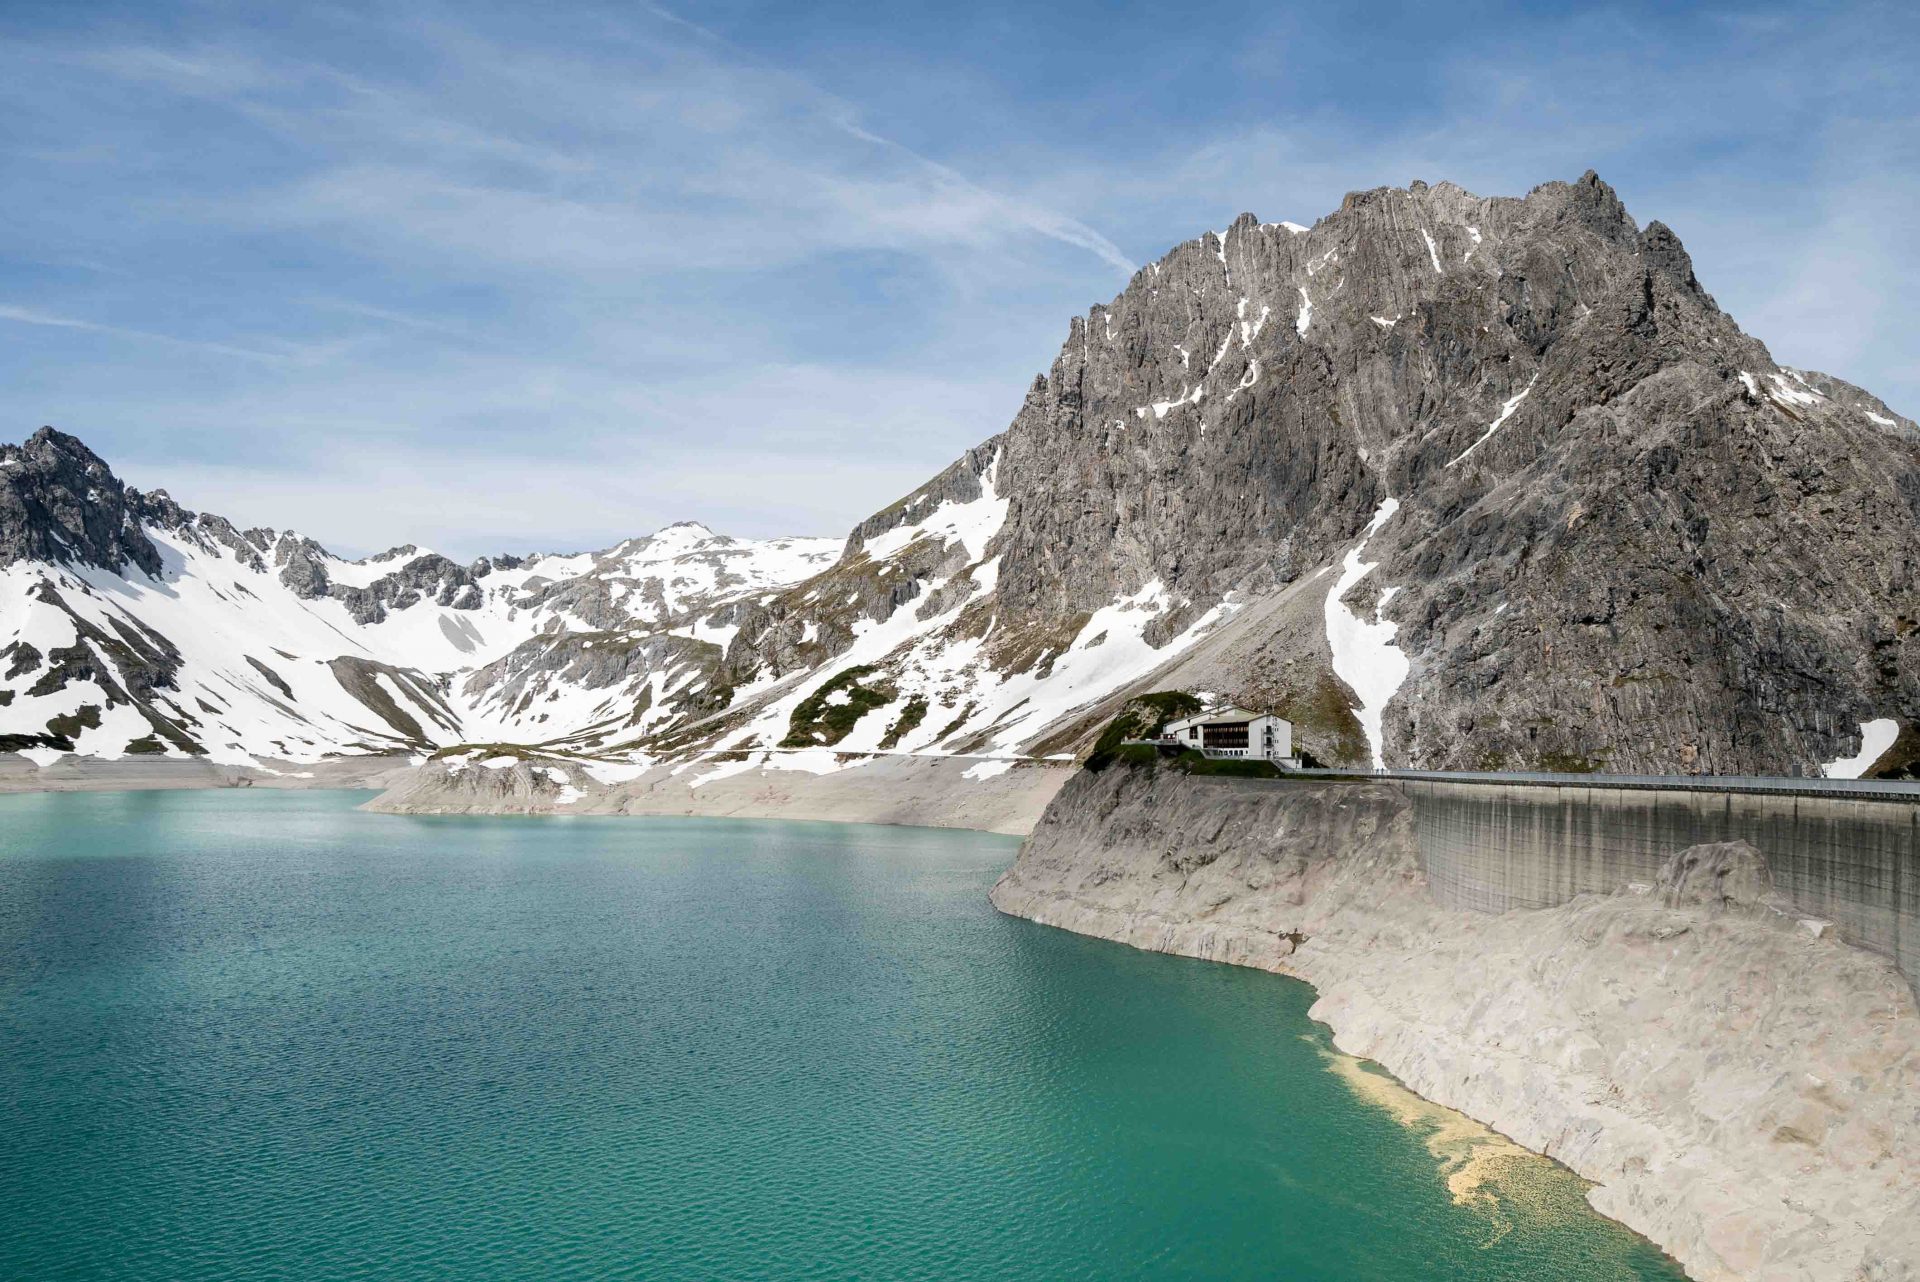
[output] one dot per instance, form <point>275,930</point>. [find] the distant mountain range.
<point>1449,481</point>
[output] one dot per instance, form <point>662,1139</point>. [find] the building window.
<point>1226,735</point>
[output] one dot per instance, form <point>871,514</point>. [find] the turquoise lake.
<point>260,1034</point>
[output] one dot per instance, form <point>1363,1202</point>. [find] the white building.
<point>1234,732</point>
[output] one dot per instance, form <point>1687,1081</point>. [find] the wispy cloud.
<point>490,247</point>
<point>32,316</point>
<point>360,267</point>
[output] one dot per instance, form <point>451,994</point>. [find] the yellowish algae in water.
<point>1484,1170</point>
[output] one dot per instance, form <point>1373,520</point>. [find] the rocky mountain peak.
<point>1447,480</point>
<point>1535,421</point>
<point>60,502</point>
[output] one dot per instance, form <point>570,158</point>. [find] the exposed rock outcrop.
<point>1726,875</point>
<point>1620,537</point>
<point>59,502</point>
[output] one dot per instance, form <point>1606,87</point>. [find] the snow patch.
<point>1160,409</point>
<point>984,770</point>
<point>1305,318</point>
<point>1506,411</point>
<point>727,769</point>
<point>1433,251</point>
<point>613,772</point>
<point>972,524</point>
<point>1250,329</point>
<point>1785,392</point>
<point>812,761</point>
<point>1876,737</point>
<point>1364,655</point>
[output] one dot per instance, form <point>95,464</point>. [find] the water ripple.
<point>259,1036</point>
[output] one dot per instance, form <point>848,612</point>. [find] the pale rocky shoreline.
<point>1745,1094</point>
<point>127,774</point>
<point>991,795</point>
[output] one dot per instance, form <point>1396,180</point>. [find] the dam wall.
<point>1852,860</point>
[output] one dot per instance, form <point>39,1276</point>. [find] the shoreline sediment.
<point>999,795</point>
<point>134,774</point>
<point>1740,1091</point>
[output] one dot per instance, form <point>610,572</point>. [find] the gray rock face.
<point>1663,540</point>
<point>425,578</point>
<point>1724,875</point>
<point>59,502</point>
<point>1625,538</point>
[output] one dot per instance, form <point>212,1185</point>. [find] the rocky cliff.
<point>1451,481</point>
<point>1742,1090</point>
<point>1448,480</point>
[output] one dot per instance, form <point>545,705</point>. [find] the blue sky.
<point>494,277</point>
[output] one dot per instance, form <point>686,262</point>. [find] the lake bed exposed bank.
<point>1001,795</point>
<point>71,773</point>
<point>1743,1090</point>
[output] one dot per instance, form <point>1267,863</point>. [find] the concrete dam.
<point>1848,855</point>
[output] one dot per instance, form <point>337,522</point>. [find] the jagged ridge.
<point>1449,480</point>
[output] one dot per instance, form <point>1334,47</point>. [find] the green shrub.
<point>1144,717</point>
<point>1188,761</point>
<point>1196,763</point>
<point>817,722</point>
<point>906,723</point>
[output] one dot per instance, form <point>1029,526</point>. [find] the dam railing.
<point>1777,785</point>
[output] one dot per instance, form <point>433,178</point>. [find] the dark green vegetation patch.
<point>822,720</point>
<point>906,723</point>
<point>1144,717</point>
<point>1188,761</point>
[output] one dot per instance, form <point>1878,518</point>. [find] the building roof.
<point>1216,716</point>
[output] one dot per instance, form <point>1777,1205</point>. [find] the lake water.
<point>263,1035</point>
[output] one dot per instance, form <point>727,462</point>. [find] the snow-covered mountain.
<point>130,625</point>
<point>1447,480</point>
